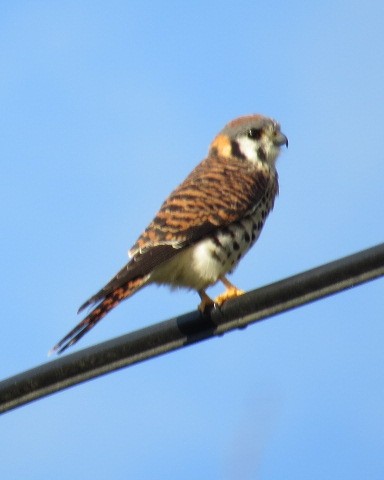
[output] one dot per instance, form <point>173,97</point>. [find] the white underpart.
<point>182,271</point>
<point>197,267</point>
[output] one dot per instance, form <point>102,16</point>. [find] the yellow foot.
<point>231,292</point>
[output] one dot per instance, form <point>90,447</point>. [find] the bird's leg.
<point>206,302</point>
<point>230,292</point>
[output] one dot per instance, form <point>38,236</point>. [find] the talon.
<point>231,292</point>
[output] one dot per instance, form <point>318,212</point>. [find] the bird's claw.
<point>229,293</point>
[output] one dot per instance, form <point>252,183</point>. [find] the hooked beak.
<point>280,139</point>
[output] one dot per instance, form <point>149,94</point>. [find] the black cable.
<point>191,328</point>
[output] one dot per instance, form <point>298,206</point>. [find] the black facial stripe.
<point>261,154</point>
<point>235,150</point>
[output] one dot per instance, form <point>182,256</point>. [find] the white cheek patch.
<point>248,148</point>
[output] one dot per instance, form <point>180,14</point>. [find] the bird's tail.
<point>110,301</point>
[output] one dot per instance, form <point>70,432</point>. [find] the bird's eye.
<point>254,133</point>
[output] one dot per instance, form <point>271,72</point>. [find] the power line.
<point>191,327</point>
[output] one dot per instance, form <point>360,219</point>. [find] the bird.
<point>205,226</point>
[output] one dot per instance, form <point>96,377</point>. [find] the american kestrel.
<point>206,224</point>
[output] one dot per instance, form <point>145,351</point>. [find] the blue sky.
<point>106,106</point>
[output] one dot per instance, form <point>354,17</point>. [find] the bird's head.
<point>252,138</point>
